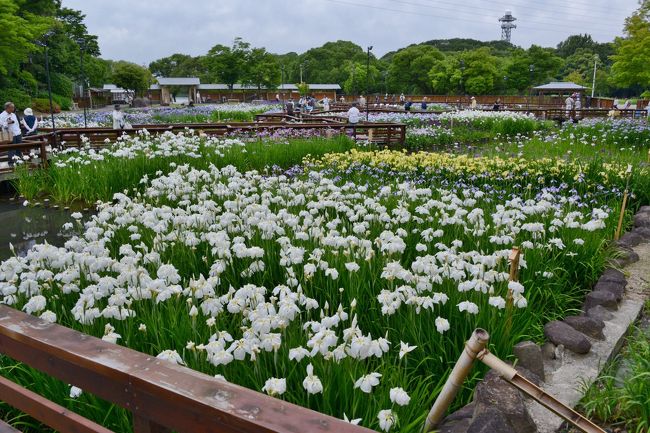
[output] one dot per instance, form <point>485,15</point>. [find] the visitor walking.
<point>29,122</point>
<point>424,104</point>
<point>569,105</point>
<point>497,105</point>
<point>578,103</point>
<point>402,98</point>
<point>407,105</point>
<point>11,129</point>
<point>326,103</point>
<point>473,103</point>
<point>353,114</point>
<point>362,101</point>
<point>290,107</point>
<point>118,118</point>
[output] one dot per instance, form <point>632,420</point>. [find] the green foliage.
<point>262,69</point>
<point>42,105</point>
<point>20,99</point>
<point>61,85</point>
<point>409,68</point>
<point>131,77</point>
<point>356,82</point>
<point>227,64</point>
<point>177,65</point>
<point>633,51</point>
<point>303,88</point>
<point>623,397</point>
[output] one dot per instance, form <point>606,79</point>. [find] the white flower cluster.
<point>315,235</point>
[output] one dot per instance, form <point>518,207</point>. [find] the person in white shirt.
<point>326,103</point>
<point>362,101</point>
<point>118,118</point>
<point>353,114</point>
<point>9,122</point>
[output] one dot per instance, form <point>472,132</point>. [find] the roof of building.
<point>561,85</point>
<point>315,86</point>
<point>179,81</point>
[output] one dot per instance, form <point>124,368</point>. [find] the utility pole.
<point>367,81</point>
<point>593,83</point>
<point>531,69</point>
<point>282,85</point>
<point>82,48</point>
<point>44,42</point>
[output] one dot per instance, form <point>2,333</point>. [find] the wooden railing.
<point>38,144</point>
<point>162,396</point>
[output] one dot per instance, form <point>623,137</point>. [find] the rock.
<point>491,421</point>
<point>599,312</point>
<point>494,392</point>
<point>589,326</point>
<point>630,239</point>
<point>532,377</point>
<point>627,256</point>
<point>561,333</point>
<point>644,232</point>
<point>614,287</point>
<point>599,297</point>
<point>642,219</point>
<point>530,357</point>
<point>644,209</point>
<point>141,102</point>
<point>457,422</point>
<point>611,274</point>
<point>548,350</point>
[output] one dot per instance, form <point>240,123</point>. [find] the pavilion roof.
<point>566,86</point>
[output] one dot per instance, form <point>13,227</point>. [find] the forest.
<point>450,66</point>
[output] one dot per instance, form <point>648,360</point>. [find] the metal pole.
<point>367,81</point>
<point>49,91</point>
<point>282,86</point>
<point>593,83</point>
<point>83,81</point>
<point>473,347</point>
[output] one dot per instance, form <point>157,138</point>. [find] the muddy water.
<point>25,226</point>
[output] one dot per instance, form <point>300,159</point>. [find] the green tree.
<point>633,51</point>
<point>356,82</point>
<point>262,69</point>
<point>227,64</point>
<point>409,69</point>
<point>15,37</point>
<point>131,77</point>
<point>177,65</point>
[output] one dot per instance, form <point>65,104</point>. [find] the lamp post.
<point>302,66</point>
<point>282,85</point>
<point>385,75</point>
<point>82,48</point>
<point>43,42</point>
<point>593,83</point>
<point>505,84</point>
<point>368,80</point>
<point>531,69</point>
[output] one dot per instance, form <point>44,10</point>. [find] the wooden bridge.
<point>383,134</point>
<point>162,396</point>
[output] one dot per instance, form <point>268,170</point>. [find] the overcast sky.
<point>145,30</point>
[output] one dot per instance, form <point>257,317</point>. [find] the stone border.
<point>577,349</point>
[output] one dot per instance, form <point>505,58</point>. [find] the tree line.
<point>450,66</point>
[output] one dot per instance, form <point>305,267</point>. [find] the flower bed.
<point>348,293</point>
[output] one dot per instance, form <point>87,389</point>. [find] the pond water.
<point>25,226</point>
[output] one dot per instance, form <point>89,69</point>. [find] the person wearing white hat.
<point>473,103</point>
<point>29,122</point>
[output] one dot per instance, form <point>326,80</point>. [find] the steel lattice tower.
<point>507,24</point>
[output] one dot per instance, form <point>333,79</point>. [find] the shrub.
<point>43,105</point>
<point>18,97</point>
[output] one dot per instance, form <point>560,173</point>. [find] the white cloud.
<point>145,30</point>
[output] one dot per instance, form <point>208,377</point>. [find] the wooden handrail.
<point>161,395</point>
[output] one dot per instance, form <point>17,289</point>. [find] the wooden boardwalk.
<point>383,134</point>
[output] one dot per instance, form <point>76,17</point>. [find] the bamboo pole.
<point>542,397</point>
<point>514,257</point>
<point>473,346</point>
<point>617,235</point>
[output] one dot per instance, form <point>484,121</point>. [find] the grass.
<point>620,397</point>
<point>89,176</point>
<point>178,201</point>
